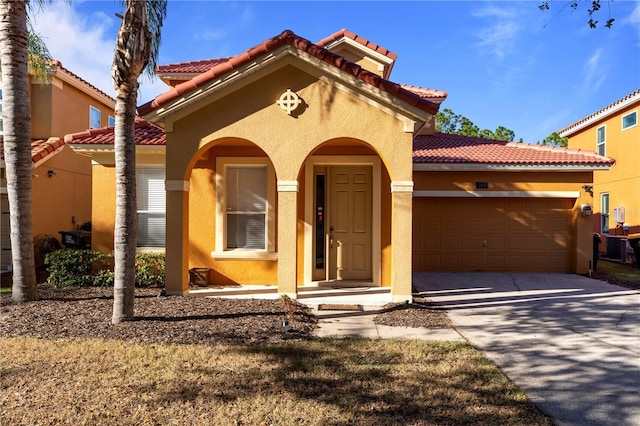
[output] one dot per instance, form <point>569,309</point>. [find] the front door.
<point>348,223</point>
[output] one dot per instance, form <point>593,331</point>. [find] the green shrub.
<point>79,268</point>
<point>87,268</point>
<point>150,270</point>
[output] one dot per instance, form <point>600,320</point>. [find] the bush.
<point>150,270</point>
<point>87,268</point>
<point>79,268</point>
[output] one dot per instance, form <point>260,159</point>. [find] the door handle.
<point>331,237</point>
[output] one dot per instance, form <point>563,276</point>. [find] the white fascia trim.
<point>107,148</point>
<point>364,49</point>
<point>402,186</point>
<point>421,167</point>
<point>497,194</point>
<point>287,186</point>
<point>176,185</point>
<point>602,114</point>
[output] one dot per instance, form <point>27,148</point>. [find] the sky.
<point>502,63</point>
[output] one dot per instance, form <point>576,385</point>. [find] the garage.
<point>526,234</point>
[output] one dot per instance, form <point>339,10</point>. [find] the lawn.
<point>316,382</point>
<point>618,273</point>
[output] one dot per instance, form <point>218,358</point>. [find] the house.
<point>61,185</point>
<point>613,131</point>
<point>299,163</point>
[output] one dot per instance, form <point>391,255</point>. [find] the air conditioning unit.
<point>618,215</point>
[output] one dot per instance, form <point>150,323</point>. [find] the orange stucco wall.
<point>60,108</point>
<point>64,197</point>
<point>103,212</point>
<point>622,181</point>
<point>331,122</point>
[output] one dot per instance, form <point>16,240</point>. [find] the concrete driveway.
<point>570,342</point>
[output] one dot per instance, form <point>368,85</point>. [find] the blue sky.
<point>502,62</point>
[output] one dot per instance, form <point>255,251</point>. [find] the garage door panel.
<point>497,234</point>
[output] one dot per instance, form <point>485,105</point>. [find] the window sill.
<point>244,255</point>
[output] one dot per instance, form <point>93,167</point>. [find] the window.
<point>151,206</point>
<point>629,120</point>
<point>1,128</point>
<point>601,141</point>
<point>111,121</point>
<point>245,223</point>
<point>604,211</point>
<point>94,117</point>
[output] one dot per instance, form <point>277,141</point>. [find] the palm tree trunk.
<point>133,48</point>
<point>16,113</point>
<point>126,226</point>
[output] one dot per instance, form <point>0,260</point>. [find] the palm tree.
<point>15,41</point>
<point>136,49</point>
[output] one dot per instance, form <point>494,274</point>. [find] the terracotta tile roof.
<point>445,148</point>
<point>288,37</point>
<point>146,134</point>
<point>600,114</point>
<point>193,67</point>
<point>437,96</point>
<point>40,148</point>
<point>363,41</point>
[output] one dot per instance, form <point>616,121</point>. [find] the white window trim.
<point>603,214</point>
<point>220,251</point>
<point>144,249</point>
<point>604,141</point>
<point>627,114</point>
<point>92,108</point>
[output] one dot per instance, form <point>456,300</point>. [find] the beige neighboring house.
<point>61,178</point>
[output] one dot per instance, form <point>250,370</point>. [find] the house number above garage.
<point>289,101</point>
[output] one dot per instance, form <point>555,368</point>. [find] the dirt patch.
<point>420,313</point>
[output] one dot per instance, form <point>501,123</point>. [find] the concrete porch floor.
<point>311,295</point>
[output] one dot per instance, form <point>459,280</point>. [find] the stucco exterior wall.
<point>331,120</point>
<point>622,181</point>
<point>103,211</point>
<point>64,197</point>
<point>60,108</point>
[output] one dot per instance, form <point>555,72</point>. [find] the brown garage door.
<point>492,234</point>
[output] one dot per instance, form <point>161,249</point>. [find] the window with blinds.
<point>151,206</point>
<point>246,207</point>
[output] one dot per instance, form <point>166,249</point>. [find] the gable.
<point>244,67</point>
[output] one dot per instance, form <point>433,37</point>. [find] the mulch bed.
<point>85,313</point>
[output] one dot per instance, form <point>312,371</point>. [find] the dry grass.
<point>318,382</point>
<point>618,273</point>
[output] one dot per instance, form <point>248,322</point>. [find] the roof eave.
<point>500,167</point>
<point>604,113</point>
<point>417,113</point>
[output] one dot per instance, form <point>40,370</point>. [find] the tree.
<point>554,139</point>
<point>136,49</point>
<point>449,122</point>
<point>15,59</point>
<point>595,7</point>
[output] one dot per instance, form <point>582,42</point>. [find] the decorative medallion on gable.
<point>289,101</point>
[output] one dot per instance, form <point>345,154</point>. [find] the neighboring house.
<point>61,185</point>
<point>297,163</point>
<point>613,131</point>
